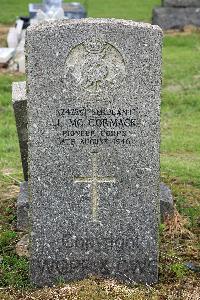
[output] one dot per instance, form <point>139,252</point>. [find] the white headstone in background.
<point>6,54</point>
<point>52,3</point>
<point>12,38</point>
<point>21,64</point>
<point>52,14</point>
<point>19,28</point>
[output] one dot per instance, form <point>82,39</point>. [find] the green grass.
<point>180,165</point>
<point>9,148</point>
<point>180,147</point>
<point>14,269</point>
<point>127,9</point>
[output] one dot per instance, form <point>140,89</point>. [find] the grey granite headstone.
<point>166,201</point>
<point>20,110</point>
<point>182,3</point>
<point>176,18</point>
<point>176,14</point>
<point>166,205</point>
<point>23,208</point>
<point>94,134</point>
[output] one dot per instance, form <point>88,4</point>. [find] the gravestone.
<point>19,95</point>
<point>176,14</point>
<point>6,54</point>
<point>181,3</point>
<point>48,4</point>
<point>72,10</point>
<point>19,101</point>
<point>93,112</point>
<point>166,201</point>
<point>23,208</point>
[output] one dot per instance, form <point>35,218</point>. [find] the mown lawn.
<point>127,9</point>
<point>180,148</point>
<point>180,169</point>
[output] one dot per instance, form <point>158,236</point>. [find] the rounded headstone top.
<point>54,24</point>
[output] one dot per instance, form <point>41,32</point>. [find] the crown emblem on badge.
<point>94,46</point>
<point>100,66</point>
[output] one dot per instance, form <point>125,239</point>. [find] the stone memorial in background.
<point>93,113</point>
<point>176,14</point>
<point>72,10</point>
<point>19,101</point>
<point>181,3</point>
<point>166,202</point>
<point>23,208</point>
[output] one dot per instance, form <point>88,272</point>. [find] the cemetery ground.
<point>139,10</point>
<point>180,170</point>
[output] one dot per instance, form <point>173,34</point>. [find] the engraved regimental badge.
<point>96,65</point>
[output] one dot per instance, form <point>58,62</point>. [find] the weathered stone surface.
<point>182,3</point>
<point>176,18</point>
<point>20,110</point>
<point>166,205</point>
<point>93,111</point>
<point>166,201</point>
<point>23,208</point>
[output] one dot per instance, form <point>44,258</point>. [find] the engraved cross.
<point>94,180</point>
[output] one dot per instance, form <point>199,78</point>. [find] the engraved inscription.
<point>94,180</point>
<point>82,126</point>
<point>96,65</point>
